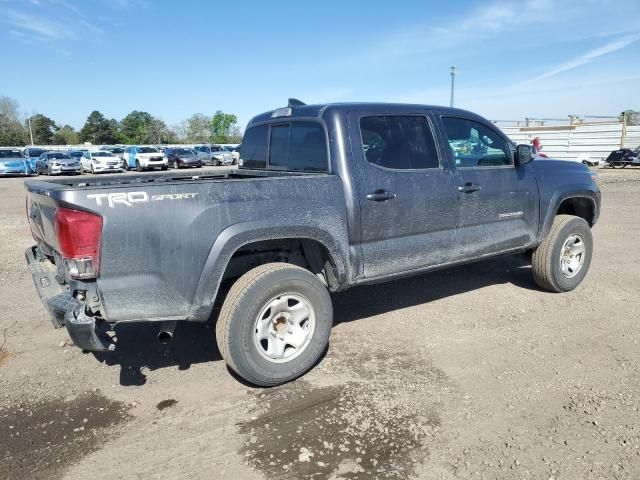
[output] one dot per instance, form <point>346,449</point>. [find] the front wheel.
<point>176,165</point>
<point>138,166</point>
<point>562,260</point>
<point>274,324</point>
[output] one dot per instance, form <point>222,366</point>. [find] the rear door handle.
<point>469,188</point>
<point>381,196</point>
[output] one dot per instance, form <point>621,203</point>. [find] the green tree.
<point>158,132</point>
<point>198,128</point>
<point>66,135</point>
<point>98,129</point>
<point>43,129</point>
<point>135,127</point>
<point>221,126</point>
<point>12,131</point>
<point>632,117</point>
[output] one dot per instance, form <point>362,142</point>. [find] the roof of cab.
<point>318,110</point>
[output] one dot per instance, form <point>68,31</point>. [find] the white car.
<point>142,158</point>
<point>100,161</point>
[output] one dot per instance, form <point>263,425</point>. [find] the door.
<point>407,194</point>
<point>498,201</point>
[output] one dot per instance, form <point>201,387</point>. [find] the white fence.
<point>569,141</point>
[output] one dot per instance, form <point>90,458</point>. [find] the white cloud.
<point>588,57</point>
<point>46,28</point>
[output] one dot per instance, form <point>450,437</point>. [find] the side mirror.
<point>523,154</point>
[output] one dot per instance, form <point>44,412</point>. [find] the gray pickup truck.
<point>325,197</point>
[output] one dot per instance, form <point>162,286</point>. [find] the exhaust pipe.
<point>165,335</point>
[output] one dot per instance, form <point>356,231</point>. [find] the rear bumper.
<point>63,308</point>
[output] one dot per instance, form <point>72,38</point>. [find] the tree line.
<point>136,128</point>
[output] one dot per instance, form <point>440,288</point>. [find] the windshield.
<point>116,150</point>
<point>182,151</point>
<point>59,156</point>
<point>35,152</point>
<point>10,154</point>
<point>75,154</point>
<point>102,154</point>
<point>147,150</point>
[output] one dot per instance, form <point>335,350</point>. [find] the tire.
<point>252,297</point>
<point>164,167</point>
<point>93,170</point>
<point>546,262</point>
<point>215,162</point>
<point>175,165</point>
<point>138,166</point>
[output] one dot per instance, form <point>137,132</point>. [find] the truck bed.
<point>167,237</point>
<point>119,180</point>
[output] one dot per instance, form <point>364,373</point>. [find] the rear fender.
<point>238,235</point>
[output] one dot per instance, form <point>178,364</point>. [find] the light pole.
<point>453,77</point>
<point>30,131</point>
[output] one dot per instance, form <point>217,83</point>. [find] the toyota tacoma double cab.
<point>326,197</point>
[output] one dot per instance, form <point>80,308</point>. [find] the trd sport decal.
<point>129,198</point>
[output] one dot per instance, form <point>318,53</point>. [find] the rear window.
<point>253,152</point>
<point>298,146</point>
<point>10,154</point>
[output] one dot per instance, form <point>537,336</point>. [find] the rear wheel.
<point>138,166</point>
<point>562,260</point>
<point>274,324</point>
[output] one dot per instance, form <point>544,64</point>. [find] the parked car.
<point>118,152</point>
<point>235,152</point>
<point>32,154</point>
<point>214,155</point>
<point>57,163</point>
<point>623,157</point>
<point>76,154</point>
<point>182,157</point>
<point>100,161</point>
<point>364,193</point>
<point>144,158</point>
<point>12,162</point>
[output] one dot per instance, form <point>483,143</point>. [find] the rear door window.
<point>399,142</point>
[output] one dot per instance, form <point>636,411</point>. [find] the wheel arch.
<point>318,246</point>
<point>581,203</point>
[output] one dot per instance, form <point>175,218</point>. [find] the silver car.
<point>57,163</point>
<point>214,155</point>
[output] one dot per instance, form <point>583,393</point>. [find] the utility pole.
<point>453,77</point>
<point>30,131</point>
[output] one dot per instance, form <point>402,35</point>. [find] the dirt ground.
<point>469,373</point>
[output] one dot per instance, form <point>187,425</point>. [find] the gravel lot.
<point>466,373</point>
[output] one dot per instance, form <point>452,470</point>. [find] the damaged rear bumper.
<point>63,308</point>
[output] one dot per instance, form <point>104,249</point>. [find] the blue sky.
<point>536,58</point>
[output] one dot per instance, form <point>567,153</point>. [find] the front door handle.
<point>381,196</point>
<point>469,188</point>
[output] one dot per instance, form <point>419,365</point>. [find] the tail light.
<point>79,234</point>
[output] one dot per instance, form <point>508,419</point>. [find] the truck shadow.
<point>138,349</point>
<point>367,301</point>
